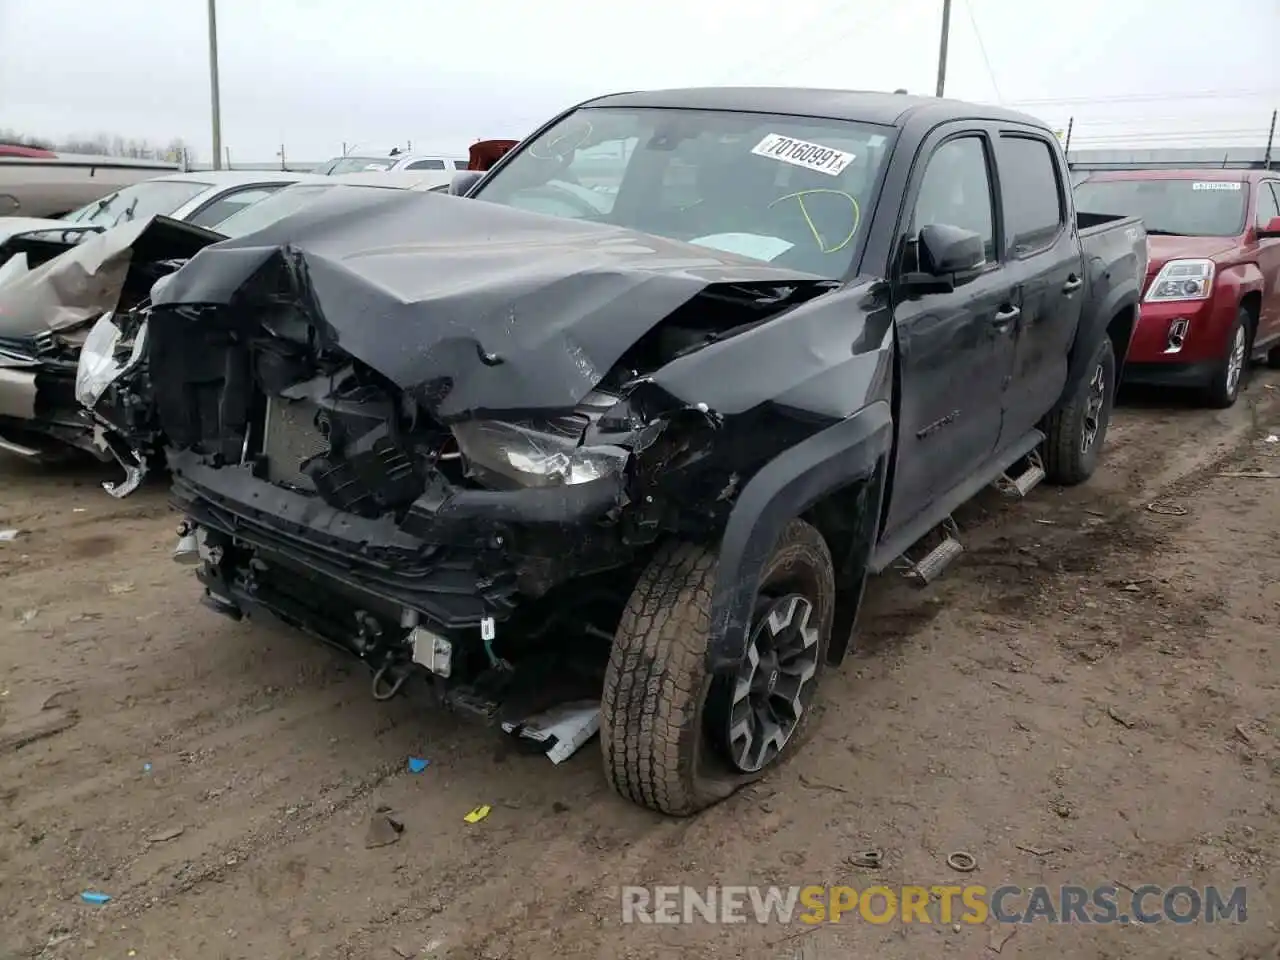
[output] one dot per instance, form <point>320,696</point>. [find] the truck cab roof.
<point>888,109</point>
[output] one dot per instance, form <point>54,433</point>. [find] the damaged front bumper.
<point>452,560</point>
<point>453,566</point>
<point>39,416</point>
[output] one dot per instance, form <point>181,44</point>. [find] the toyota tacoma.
<point>634,416</point>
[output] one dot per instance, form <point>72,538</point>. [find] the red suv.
<point>1212,295</point>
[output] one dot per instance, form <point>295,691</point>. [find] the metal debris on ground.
<point>1034,851</point>
<point>384,830</point>
<point>867,860</point>
<point>1166,509</point>
<point>1121,718</point>
<point>962,862</point>
<point>562,729</point>
<point>999,936</point>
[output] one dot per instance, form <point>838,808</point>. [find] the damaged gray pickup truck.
<point>634,420</point>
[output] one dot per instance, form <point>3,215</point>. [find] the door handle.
<point>1005,316</point>
<point>1073,284</point>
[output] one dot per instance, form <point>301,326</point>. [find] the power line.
<point>1183,121</point>
<point>1154,97</point>
<point>982,49</point>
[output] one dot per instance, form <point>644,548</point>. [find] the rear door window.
<point>1032,192</point>
<point>231,203</point>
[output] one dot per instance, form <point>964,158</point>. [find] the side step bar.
<point>18,449</point>
<point>929,567</point>
<point>1019,485</point>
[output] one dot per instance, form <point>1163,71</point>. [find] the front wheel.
<point>1075,431</point>
<point>1224,388</point>
<point>675,738</point>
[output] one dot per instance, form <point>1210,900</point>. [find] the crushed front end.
<point>315,488</point>
<point>452,454</point>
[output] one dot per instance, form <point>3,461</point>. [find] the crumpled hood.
<point>39,236</point>
<point>86,281</point>
<point>473,306</point>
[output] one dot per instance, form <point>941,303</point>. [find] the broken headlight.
<point>546,456</point>
<point>98,367</point>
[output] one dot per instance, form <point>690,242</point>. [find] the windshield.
<point>788,190</point>
<point>1190,208</point>
<point>358,164</point>
<point>137,202</point>
<point>268,211</point>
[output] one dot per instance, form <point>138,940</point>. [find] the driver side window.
<point>956,190</point>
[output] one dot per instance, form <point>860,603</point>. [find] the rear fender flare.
<point>782,490</point>
<point>1094,327</point>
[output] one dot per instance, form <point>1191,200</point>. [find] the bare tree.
<point>104,144</point>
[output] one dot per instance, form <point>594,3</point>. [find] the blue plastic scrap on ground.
<point>417,764</point>
<point>90,897</point>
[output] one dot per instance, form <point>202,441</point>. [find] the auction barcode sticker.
<point>1214,185</point>
<point>802,153</point>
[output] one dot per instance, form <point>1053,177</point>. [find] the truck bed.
<point>1114,246</point>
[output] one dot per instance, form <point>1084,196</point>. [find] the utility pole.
<point>213,86</point>
<point>942,47</point>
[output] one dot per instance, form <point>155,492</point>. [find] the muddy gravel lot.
<point>1089,695</point>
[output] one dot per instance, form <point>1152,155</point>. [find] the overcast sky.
<point>313,73</point>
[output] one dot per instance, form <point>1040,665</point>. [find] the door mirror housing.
<point>464,181</point>
<point>1271,230</point>
<point>947,251</point>
<point>946,256</point>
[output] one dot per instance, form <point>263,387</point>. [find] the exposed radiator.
<point>290,437</point>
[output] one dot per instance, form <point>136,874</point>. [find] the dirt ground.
<point>1088,695</point>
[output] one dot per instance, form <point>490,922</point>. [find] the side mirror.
<point>947,251</point>
<point>1271,230</point>
<point>463,182</point>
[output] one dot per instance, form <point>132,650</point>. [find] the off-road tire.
<point>1066,463</point>
<point>1219,394</point>
<point>658,751</point>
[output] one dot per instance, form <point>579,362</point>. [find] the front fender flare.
<point>783,489</point>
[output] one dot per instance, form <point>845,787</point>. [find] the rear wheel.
<point>1224,388</point>
<point>676,739</point>
<point>1076,431</point>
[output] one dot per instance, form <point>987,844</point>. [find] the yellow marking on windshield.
<point>799,196</point>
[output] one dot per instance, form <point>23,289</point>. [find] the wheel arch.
<point>1116,316</point>
<point>1120,329</point>
<point>1251,303</point>
<point>838,469</point>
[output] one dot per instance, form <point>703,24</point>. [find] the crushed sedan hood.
<point>472,306</point>
<point>86,280</point>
